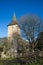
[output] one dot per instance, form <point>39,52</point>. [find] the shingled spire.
<point>14,21</point>
<point>14,17</point>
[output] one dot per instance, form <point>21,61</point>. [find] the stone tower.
<point>13,28</point>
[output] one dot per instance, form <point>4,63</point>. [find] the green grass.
<point>38,61</point>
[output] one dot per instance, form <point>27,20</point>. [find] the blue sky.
<point>20,7</point>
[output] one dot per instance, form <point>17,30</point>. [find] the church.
<point>13,28</point>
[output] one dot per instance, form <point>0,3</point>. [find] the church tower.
<point>13,28</point>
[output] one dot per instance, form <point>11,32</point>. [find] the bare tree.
<point>31,26</point>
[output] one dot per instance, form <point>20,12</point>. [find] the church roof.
<point>14,21</point>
